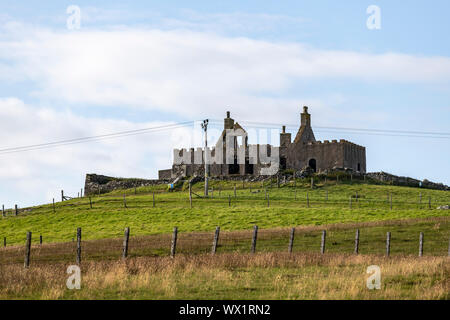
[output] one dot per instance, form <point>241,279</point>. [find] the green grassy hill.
<point>289,206</point>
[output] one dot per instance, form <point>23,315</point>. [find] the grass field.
<point>328,204</point>
<point>235,276</point>
<point>233,273</point>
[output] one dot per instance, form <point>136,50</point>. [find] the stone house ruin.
<point>233,156</point>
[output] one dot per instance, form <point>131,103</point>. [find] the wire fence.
<point>369,241</point>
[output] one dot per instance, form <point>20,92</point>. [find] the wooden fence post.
<point>40,239</point>
<point>81,192</point>
<point>448,247</point>
<point>278,181</point>
<point>54,209</point>
<point>124,201</point>
<point>125,243</point>
<point>255,235</point>
<point>265,193</point>
<point>388,244</point>
<point>326,197</point>
<point>215,241</point>
<point>356,199</point>
<point>27,250</point>
<point>291,240</point>
<point>268,201</point>
<point>357,241</point>
<point>3,210</point>
<point>420,198</point>
<point>190,195</point>
<point>350,202</point>
<point>62,195</point>
<point>312,183</point>
<point>421,244</point>
<point>16,212</point>
<point>90,202</point>
<point>429,202</point>
<point>391,201</point>
<point>229,200</point>
<point>4,241</point>
<point>173,247</point>
<point>295,194</point>
<point>79,246</point>
<point>322,243</point>
<point>212,192</point>
<point>153,195</point>
<point>235,191</point>
<point>307,200</point>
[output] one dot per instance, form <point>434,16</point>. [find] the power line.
<point>94,138</point>
<point>397,133</point>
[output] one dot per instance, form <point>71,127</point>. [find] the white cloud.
<point>27,176</point>
<point>184,72</point>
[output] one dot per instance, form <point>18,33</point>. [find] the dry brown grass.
<point>235,276</point>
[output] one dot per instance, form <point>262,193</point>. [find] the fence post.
<point>307,200</point>
<point>429,202</point>
<point>420,198</point>
<point>125,243</point>
<point>79,246</point>
<point>212,192</point>
<point>3,210</point>
<point>326,198</point>
<point>265,193</point>
<point>190,195</point>
<point>81,192</point>
<point>235,191</point>
<point>124,201</point>
<point>62,195</point>
<point>391,201</point>
<point>27,250</point>
<point>268,201</point>
<point>229,200</point>
<point>90,202</point>
<point>295,194</point>
<point>322,243</point>
<point>278,181</point>
<point>173,247</point>
<point>291,240</point>
<point>153,195</point>
<point>312,183</point>
<point>350,202</point>
<point>54,209</point>
<point>421,244</point>
<point>388,244</point>
<point>255,235</point>
<point>448,247</point>
<point>216,240</point>
<point>16,212</point>
<point>357,241</point>
<point>356,199</point>
<point>4,241</point>
<point>40,239</point>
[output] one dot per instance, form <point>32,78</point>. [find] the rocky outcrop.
<point>405,181</point>
<point>95,184</point>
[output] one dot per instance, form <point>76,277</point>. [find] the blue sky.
<point>147,63</point>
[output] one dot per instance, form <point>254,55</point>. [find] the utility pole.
<point>205,128</point>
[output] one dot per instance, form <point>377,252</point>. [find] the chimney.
<point>228,123</point>
<point>305,120</point>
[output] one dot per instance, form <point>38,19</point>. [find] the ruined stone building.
<point>230,157</point>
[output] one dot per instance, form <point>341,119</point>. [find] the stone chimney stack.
<point>228,123</point>
<point>305,120</point>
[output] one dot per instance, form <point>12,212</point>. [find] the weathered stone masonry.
<point>302,152</point>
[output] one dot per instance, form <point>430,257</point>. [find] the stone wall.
<point>95,184</point>
<point>405,181</point>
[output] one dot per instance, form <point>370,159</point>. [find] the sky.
<point>120,66</point>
